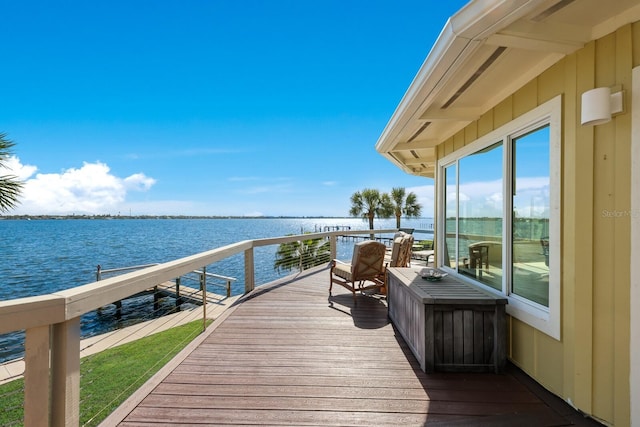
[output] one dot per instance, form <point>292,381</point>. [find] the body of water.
<point>44,256</point>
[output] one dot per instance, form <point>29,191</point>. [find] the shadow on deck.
<point>288,355</point>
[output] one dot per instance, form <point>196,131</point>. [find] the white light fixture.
<point>599,104</point>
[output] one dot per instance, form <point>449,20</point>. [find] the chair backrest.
<point>401,250</point>
<point>368,260</point>
<point>395,249</point>
<point>406,246</point>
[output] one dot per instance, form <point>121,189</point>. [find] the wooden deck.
<point>286,355</point>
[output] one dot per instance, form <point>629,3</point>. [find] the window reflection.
<point>475,211</point>
<point>480,216</point>
<point>530,268</point>
<point>451,213</point>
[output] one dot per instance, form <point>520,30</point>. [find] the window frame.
<point>545,319</point>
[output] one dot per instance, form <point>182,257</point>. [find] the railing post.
<point>156,299</point>
<point>302,254</point>
<point>118,305</point>
<point>249,271</point>
<point>178,299</point>
<point>36,376</point>
<point>65,374</point>
<point>203,287</point>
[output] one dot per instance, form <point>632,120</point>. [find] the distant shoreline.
<point>41,217</point>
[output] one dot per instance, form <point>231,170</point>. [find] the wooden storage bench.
<point>449,325</point>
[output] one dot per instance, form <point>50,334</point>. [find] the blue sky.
<point>195,107</point>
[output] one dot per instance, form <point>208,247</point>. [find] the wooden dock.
<point>286,354</point>
<point>172,289</point>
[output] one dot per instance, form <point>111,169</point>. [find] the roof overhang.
<point>485,52</point>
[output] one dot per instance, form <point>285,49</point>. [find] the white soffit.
<point>486,51</point>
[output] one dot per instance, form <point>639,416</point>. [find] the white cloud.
<point>139,182</point>
<point>14,167</point>
<point>90,189</point>
<point>426,197</point>
<point>533,183</point>
<point>485,198</point>
<point>532,198</point>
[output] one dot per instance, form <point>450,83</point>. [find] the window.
<point>530,220</point>
<point>499,215</point>
<point>480,215</point>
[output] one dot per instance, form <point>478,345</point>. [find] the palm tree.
<point>10,186</point>
<point>408,205</point>
<point>370,203</point>
<point>302,254</point>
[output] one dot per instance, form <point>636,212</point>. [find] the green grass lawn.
<point>110,377</point>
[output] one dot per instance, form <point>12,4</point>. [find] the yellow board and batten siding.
<point>589,366</point>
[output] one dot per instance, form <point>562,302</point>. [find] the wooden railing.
<point>52,323</point>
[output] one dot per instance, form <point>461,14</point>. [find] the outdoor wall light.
<point>599,104</point>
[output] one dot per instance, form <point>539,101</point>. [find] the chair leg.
<point>331,276</point>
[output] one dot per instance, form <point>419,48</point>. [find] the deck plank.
<point>289,355</point>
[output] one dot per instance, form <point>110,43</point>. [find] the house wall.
<point>635,249</point>
<point>589,366</point>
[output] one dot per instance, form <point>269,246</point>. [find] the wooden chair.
<point>406,247</point>
<point>366,271</point>
<point>401,250</point>
<point>391,257</point>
